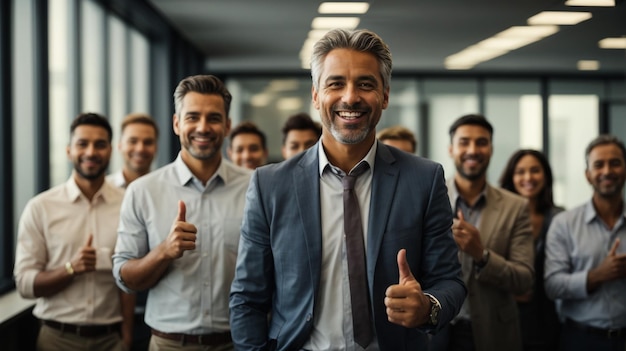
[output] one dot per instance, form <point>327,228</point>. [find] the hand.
<point>85,259</point>
<point>467,237</point>
<point>182,235</point>
<point>406,303</point>
<point>612,267</point>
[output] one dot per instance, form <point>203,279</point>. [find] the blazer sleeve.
<point>252,289</point>
<point>514,270</point>
<point>441,270</point>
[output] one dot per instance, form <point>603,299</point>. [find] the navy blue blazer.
<point>279,262</point>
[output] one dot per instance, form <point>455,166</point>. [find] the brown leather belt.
<point>213,339</point>
<point>88,331</point>
<point>617,333</point>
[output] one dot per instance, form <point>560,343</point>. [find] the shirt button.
<point>206,283</point>
<point>308,317</point>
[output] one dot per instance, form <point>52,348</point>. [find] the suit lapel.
<point>490,215</point>
<point>384,182</point>
<point>306,184</point>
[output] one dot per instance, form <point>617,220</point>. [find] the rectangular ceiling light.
<point>600,3</point>
<point>559,17</point>
<point>507,43</point>
<point>343,7</point>
<point>588,65</point>
<point>529,31</point>
<point>612,43</point>
<point>335,22</point>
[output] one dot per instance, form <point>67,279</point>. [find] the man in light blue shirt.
<point>586,259</point>
<point>179,227</point>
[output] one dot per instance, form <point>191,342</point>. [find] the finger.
<point>89,240</point>
<point>182,211</point>
<point>614,247</point>
<point>403,268</point>
<point>459,214</point>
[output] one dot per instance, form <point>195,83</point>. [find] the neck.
<point>469,190</point>
<point>89,187</point>
<point>202,169</point>
<point>346,156</point>
<point>130,175</point>
<point>609,209</point>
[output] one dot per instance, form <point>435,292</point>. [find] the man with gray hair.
<point>179,227</point>
<point>585,259</point>
<point>373,273</point>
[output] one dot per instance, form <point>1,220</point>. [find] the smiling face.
<point>201,127</point>
<point>606,171</point>
<point>298,140</point>
<point>471,151</point>
<point>90,151</point>
<point>138,147</point>
<point>246,150</point>
<point>350,97</point>
<point>529,177</point>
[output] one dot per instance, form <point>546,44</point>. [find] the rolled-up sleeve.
<point>132,236</point>
<point>31,253</point>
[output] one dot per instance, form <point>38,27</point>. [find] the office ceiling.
<point>265,36</point>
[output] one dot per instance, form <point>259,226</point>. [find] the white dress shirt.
<point>192,296</point>
<point>54,226</point>
<point>333,330</point>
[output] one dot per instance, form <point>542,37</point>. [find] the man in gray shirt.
<point>585,259</point>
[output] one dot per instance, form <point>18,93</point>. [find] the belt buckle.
<point>614,333</point>
<point>78,330</point>
<point>200,339</point>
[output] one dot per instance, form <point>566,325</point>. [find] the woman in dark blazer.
<point>528,174</point>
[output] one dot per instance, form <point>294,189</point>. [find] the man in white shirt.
<point>179,227</point>
<point>138,146</point>
<point>66,237</point>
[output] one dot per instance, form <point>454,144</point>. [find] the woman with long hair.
<point>528,174</point>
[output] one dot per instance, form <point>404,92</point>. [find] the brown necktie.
<point>361,315</point>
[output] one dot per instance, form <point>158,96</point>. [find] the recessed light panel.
<point>343,7</point>
<point>559,17</point>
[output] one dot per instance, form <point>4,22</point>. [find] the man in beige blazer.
<point>493,233</point>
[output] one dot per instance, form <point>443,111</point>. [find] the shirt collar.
<point>74,193</point>
<point>455,197</point>
<point>590,211</point>
<point>369,158</point>
<point>185,176</point>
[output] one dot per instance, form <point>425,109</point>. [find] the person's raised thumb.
<point>182,211</point>
<point>89,240</point>
<point>614,247</point>
<point>403,268</point>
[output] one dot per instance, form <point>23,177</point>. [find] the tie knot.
<point>348,180</point>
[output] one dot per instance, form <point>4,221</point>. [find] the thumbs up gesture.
<point>405,302</point>
<point>182,235</point>
<point>85,259</point>
<point>612,267</point>
<point>467,237</point>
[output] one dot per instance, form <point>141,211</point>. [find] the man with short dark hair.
<point>65,240</point>
<point>179,226</point>
<point>248,147</point>
<point>299,134</point>
<point>492,230</point>
<point>138,146</point>
<point>586,255</point>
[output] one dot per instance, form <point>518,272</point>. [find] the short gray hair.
<point>360,40</point>
<point>604,139</point>
<point>203,84</point>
